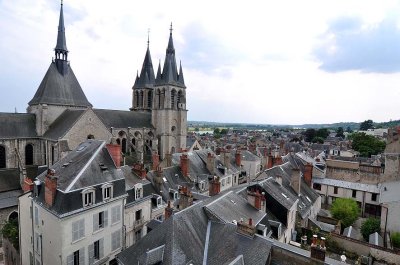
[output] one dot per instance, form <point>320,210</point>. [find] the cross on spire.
<point>148,37</point>
<point>170,29</point>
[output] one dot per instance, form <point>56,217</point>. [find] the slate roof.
<point>146,78</point>
<point>184,237</point>
<point>124,119</point>
<point>9,179</point>
<point>83,167</point>
<point>63,124</point>
<point>60,89</point>
<point>79,170</point>
<point>9,198</point>
<point>373,188</point>
<point>276,190</point>
<point>17,125</point>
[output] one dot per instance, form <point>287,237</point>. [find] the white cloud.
<point>263,70</point>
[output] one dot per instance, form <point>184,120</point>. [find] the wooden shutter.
<point>101,248</point>
<point>82,256</point>
<point>105,216</point>
<point>70,259</point>
<point>91,254</point>
<point>95,222</point>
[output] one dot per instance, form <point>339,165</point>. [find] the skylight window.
<point>284,195</point>
<point>308,199</point>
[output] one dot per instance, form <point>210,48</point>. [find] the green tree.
<point>10,231</point>
<point>348,129</point>
<point>369,226</point>
<point>366,145</point>
<point>224,131</point>
<point>346,210</point>
<point>395,239</point>
<point>339,132</point>
<point>309,134</point>
<point>196,129</point>
<point>318,140</point>
<point>323,133</point>
<point>367,124</point>
<point>217,131</point>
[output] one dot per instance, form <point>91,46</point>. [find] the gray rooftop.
<point>17,125</point>
<point>9,198</point>
<point>124,119</point>
<point>63,124</point>
<point>373,188</point>
<point>9,179</point>
<point>60,89</point>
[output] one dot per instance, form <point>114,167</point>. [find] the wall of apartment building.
<point>390,220</point>
<point>251,167</point>
<point>25,228</point>
<point>227,182</point>
<point>291,222</point>
<point>133,225</point>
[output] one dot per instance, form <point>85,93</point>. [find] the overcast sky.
<point>270,62</point>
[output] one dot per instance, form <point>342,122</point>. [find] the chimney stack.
<point>210,163</point>
<point>270,161</point>
<point>27,185</point>
<point>295,180</point>
<point>185,165</point>
<point>169,210</point>
<point>227,159</point>
<point>155,158</point>
<point>186,198</point>
<point>168,158</point>
<point>50,187</point>
<point>115,153</point>
<point>214,186</point>
<point>139,170</point>
<point>158,179</point>
<point>238,158</point>
<point>318,250</point>
<point>308,170</point>
<point>247,229</point>
<point>256,199</point>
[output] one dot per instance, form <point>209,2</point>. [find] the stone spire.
<point>169,74</point>
<point>61,51</point>
<point>146,78</point>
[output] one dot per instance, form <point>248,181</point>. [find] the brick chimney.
<point>27,185</point>
<point>295,180</point>
<point>169,210</point>
<point>115,153</point>
<point>50,187</point>
<point>186,198</point>
<point>185,165</point>
<point>214,186</point>
<point>210,163</point>
<point>227,159</point>
<point>139,170</point>
<point>247,229</point>
<point>308,171</point>
<point>318,249</point>
<point>155,158</point>
<point>270,161</point>
<point>238,158</point>
<point>256,199</point>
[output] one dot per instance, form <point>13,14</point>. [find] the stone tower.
<point>169,113</point>
<point>59,89</point>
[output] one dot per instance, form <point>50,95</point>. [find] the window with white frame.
<point>36,215</point>
<point>100,220</point>
<point>88,197</point>
<point>115,214</point>
<point>138,191</point>
<point>159,201</point>
<point>115,240</point>
<point>228,181</point>
<point>78,230</point>
<point>107,191</point>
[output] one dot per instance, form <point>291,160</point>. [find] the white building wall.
<point>132,225</point>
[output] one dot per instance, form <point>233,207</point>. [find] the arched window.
<point>2,156</point>
<point>123,147</point>
<point>141,99</point>
<point>173,96</point>
<point>29,154</point>
<point>137,98</point>
<point>150,99</point>
<point>118,141</point>
<point>180,98</point>
<point>133,141</point>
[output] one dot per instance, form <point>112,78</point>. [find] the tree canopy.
<point>367,124</point>
<point>346,210</point>
<point>366,145</point>
<point>395,239</point>
<point>339,132</point>
<point>370,226</point>
<point>316,136</point>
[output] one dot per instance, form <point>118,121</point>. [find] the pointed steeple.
<point>146,78</point>
<point>170,48</point>
<point>180,76</point>
<point>61,51</point>
<point>60,86</point>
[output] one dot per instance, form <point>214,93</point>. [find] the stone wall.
<point>364,248</point>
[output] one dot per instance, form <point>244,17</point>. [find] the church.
<point>59,116</point>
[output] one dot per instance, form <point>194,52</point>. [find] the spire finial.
<point>148,37</point>
<point>62,2</point>
<point>170,29</point>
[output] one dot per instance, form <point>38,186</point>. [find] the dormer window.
<point>138,191</point>
<point>107,191</point>
<point>88,197</point>
<point>159,201</point>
